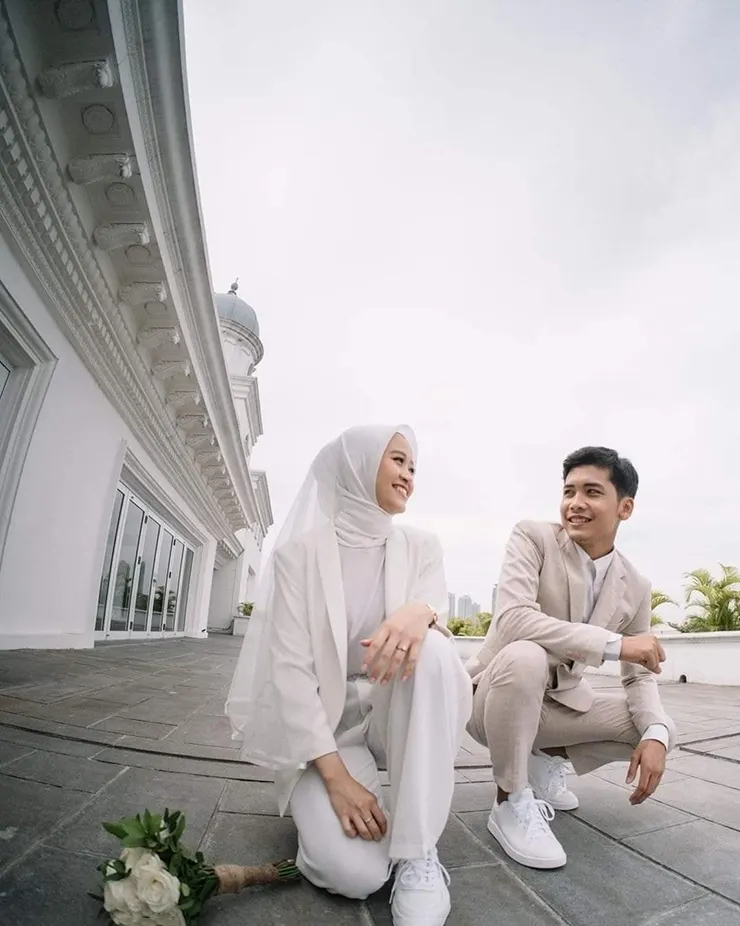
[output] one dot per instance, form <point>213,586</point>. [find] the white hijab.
<point>340,490</point>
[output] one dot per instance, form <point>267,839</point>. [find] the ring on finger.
<point>403,649</point>
<point>367,819</point>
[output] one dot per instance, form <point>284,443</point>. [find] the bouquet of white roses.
<point>156,881</point>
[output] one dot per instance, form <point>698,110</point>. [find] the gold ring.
<point>367,820</point>
<point>404,649</point>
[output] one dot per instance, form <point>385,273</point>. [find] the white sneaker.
<point>547,779</point>
<point>521,827</point>
<point>420,896</point>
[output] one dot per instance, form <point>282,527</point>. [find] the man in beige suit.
<point>567,600</point>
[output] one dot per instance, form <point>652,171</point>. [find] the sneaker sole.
<point>437,922</point>
<point>540,796</point>
<point>526,860</point>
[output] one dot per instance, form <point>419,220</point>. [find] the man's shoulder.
<point>634,577</point>
<point>542,533</point>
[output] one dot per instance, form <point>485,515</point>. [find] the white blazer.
<point>309,632</point>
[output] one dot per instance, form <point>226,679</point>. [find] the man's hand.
<point>644,649</point>
<point>396,644</point>
<point>649,757</point>
<point>357,808</point>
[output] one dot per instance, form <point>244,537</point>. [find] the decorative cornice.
<point>141,293</point>
<point>65,80</point>
<point>112,235</point>
<point>147,36</point>
<point>96,167</point>
<point>156,335</point>
<point>46,230</point>
<point>246,389</point>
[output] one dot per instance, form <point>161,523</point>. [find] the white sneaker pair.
<point>420,895</point>
<point>521,824</point>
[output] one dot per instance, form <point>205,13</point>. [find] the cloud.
<point>513,225</point>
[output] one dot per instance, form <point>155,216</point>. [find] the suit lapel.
<point>396,571</point>
<point>330,571</point>
<point>611,593</point>
<point>575,573</point>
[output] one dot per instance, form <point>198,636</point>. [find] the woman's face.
<point>395,481</point>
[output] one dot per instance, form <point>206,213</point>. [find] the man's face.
<point>590,510</point>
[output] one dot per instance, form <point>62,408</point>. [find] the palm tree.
<point>717,601</point>
<point>657,598</point>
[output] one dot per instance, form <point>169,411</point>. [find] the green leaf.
<point>184,890</point>
<point>115,829</point>
<point>134,842</point>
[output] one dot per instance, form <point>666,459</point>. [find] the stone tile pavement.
<point>91,735</point>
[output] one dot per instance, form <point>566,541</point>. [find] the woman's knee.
<point>347,872</point>
<point>436,651</point>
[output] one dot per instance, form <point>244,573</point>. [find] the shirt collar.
<point>597,567</point>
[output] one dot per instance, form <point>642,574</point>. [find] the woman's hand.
<point>396,644</point>
<point>357,808</point>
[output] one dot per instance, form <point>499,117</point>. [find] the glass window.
<point>108,561</point>
<point>124,579</point>
<point>174,585</point>
<point>4,376</point>
<point>160,582</point>
<point>184,590</point>
<point>146,575</point>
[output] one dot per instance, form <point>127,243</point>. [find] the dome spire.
<point>234,286</point>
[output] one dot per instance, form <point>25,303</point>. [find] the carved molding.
<point>140,293</point>
<point>197,440</point>
<point>96,167</point>
<point>65,80</point>
<point>112,235</point>
<point>209,456</point>
<point>210,471</point>
<point>155,335</point>
<point>186,422</point>
<point>220,483</point>
<point>166,369</point>
<point>41,217</point>
<point>179,397</point>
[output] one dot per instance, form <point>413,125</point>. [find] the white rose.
<point>134,858</point>
<point>173,917</point>
<point>155,886</point>
<point>121,902</point>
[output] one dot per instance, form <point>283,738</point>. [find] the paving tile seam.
<point>622,842</point>
<point>59,825</point>
<point>710,755</point>
<point>661,916</point>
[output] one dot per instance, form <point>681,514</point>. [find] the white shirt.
<point>363,578</point>
<point>596,572</point>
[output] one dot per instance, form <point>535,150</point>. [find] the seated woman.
<point>345,667</point>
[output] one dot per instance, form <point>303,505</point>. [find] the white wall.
<point>704,658</point>
<point>51,565</point>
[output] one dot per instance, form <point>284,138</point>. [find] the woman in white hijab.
<point>346,665</point>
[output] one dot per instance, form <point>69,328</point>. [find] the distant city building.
<point>494,599</point>
<point>465,606</point>
<point>450,605</point>
<point>476,608</point>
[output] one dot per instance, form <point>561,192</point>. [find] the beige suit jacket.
<point>542,598</point>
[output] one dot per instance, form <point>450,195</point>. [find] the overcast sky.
<point>514,225</point>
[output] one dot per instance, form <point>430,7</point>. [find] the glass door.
<point>160,582</point>
<point>146,575</point>
<point>121,617</point>
<point>145,578</point>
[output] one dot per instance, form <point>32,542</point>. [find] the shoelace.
<point>419,873</point>
<point>535,815</point>
<point>557,781</point>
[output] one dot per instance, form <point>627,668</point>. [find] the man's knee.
<point>353,874</point>
<point>521,663</point>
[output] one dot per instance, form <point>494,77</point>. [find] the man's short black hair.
<point>622,473</point>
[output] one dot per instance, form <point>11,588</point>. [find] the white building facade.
<point>128,402</point>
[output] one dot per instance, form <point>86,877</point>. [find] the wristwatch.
<point>435,619</point>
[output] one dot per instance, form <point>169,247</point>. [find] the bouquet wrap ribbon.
<point>234,878</point>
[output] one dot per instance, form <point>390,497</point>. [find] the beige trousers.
<point>415,729</point>
<point>513,715</point>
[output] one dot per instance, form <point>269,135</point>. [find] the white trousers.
<point>415,728</point>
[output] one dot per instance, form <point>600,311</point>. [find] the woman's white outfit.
<point>338,569</point>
